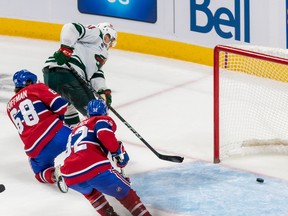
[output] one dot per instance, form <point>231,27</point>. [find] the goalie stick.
<point>82,80</point>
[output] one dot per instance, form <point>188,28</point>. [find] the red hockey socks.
<point>133,203</point>
<point>46,176</point>
<point>101,205</point>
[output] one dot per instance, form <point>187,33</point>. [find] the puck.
<point>2,188</point>
<point>260,180</point>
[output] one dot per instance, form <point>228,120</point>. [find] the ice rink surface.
<point>170,104</point>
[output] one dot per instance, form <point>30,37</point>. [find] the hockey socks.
<point>71,117</point>
<point>101,205</point>
<point>133,203</point>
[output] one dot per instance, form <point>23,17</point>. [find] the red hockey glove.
<point>63,55</point>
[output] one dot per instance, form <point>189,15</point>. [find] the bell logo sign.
<point>226,22</point>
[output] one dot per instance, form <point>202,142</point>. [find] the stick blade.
<point>175,159</point>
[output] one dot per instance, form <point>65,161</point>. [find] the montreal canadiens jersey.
<point>89,53</point>
<point>35,111</point>
<point>88,147</point>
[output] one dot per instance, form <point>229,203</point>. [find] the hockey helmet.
<point>107,28</point>
<point>20,78</point>
<point>97,107</point>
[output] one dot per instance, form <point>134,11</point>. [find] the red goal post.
<point>250,100</point>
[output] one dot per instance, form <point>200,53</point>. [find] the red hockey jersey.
<point>35,111</point>
<point>90,142</point>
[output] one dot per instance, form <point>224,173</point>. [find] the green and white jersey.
<point>89,53</point>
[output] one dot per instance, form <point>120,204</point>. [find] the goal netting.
<point>250,101</point>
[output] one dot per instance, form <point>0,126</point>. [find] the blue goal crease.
<point>201,188</point>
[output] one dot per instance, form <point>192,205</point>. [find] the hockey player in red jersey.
<point>88,170</point>
<point>37,113</point>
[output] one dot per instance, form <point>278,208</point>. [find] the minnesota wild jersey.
<point>89,53</point>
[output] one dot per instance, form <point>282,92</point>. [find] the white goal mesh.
<point>250,101</point>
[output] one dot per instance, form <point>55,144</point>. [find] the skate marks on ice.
<point>201,188</point>
<point>6,91</point>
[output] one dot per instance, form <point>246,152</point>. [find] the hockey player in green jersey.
<point>85,48</point>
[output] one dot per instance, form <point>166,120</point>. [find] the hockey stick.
<point>125,176</point>
<point>176,159</point>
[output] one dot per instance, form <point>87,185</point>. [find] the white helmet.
<point>107,28</point>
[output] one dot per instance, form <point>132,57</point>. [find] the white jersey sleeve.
<point>69,35</point>
<point>98,83</point>
<point>75,32</point>
<point>89,53</point>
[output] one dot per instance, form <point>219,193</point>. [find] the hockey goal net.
<point>250,101</point>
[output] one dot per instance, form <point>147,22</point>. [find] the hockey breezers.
<point>82,80</point>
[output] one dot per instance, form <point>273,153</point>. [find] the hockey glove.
<point>120,156</point>
<point>63,55</point>
<point>106,95</point>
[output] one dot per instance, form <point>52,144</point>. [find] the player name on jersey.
<point>15,99</point>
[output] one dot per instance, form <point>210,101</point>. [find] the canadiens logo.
<point>118,189</point>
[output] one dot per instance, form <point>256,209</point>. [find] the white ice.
<point>168,102</point>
